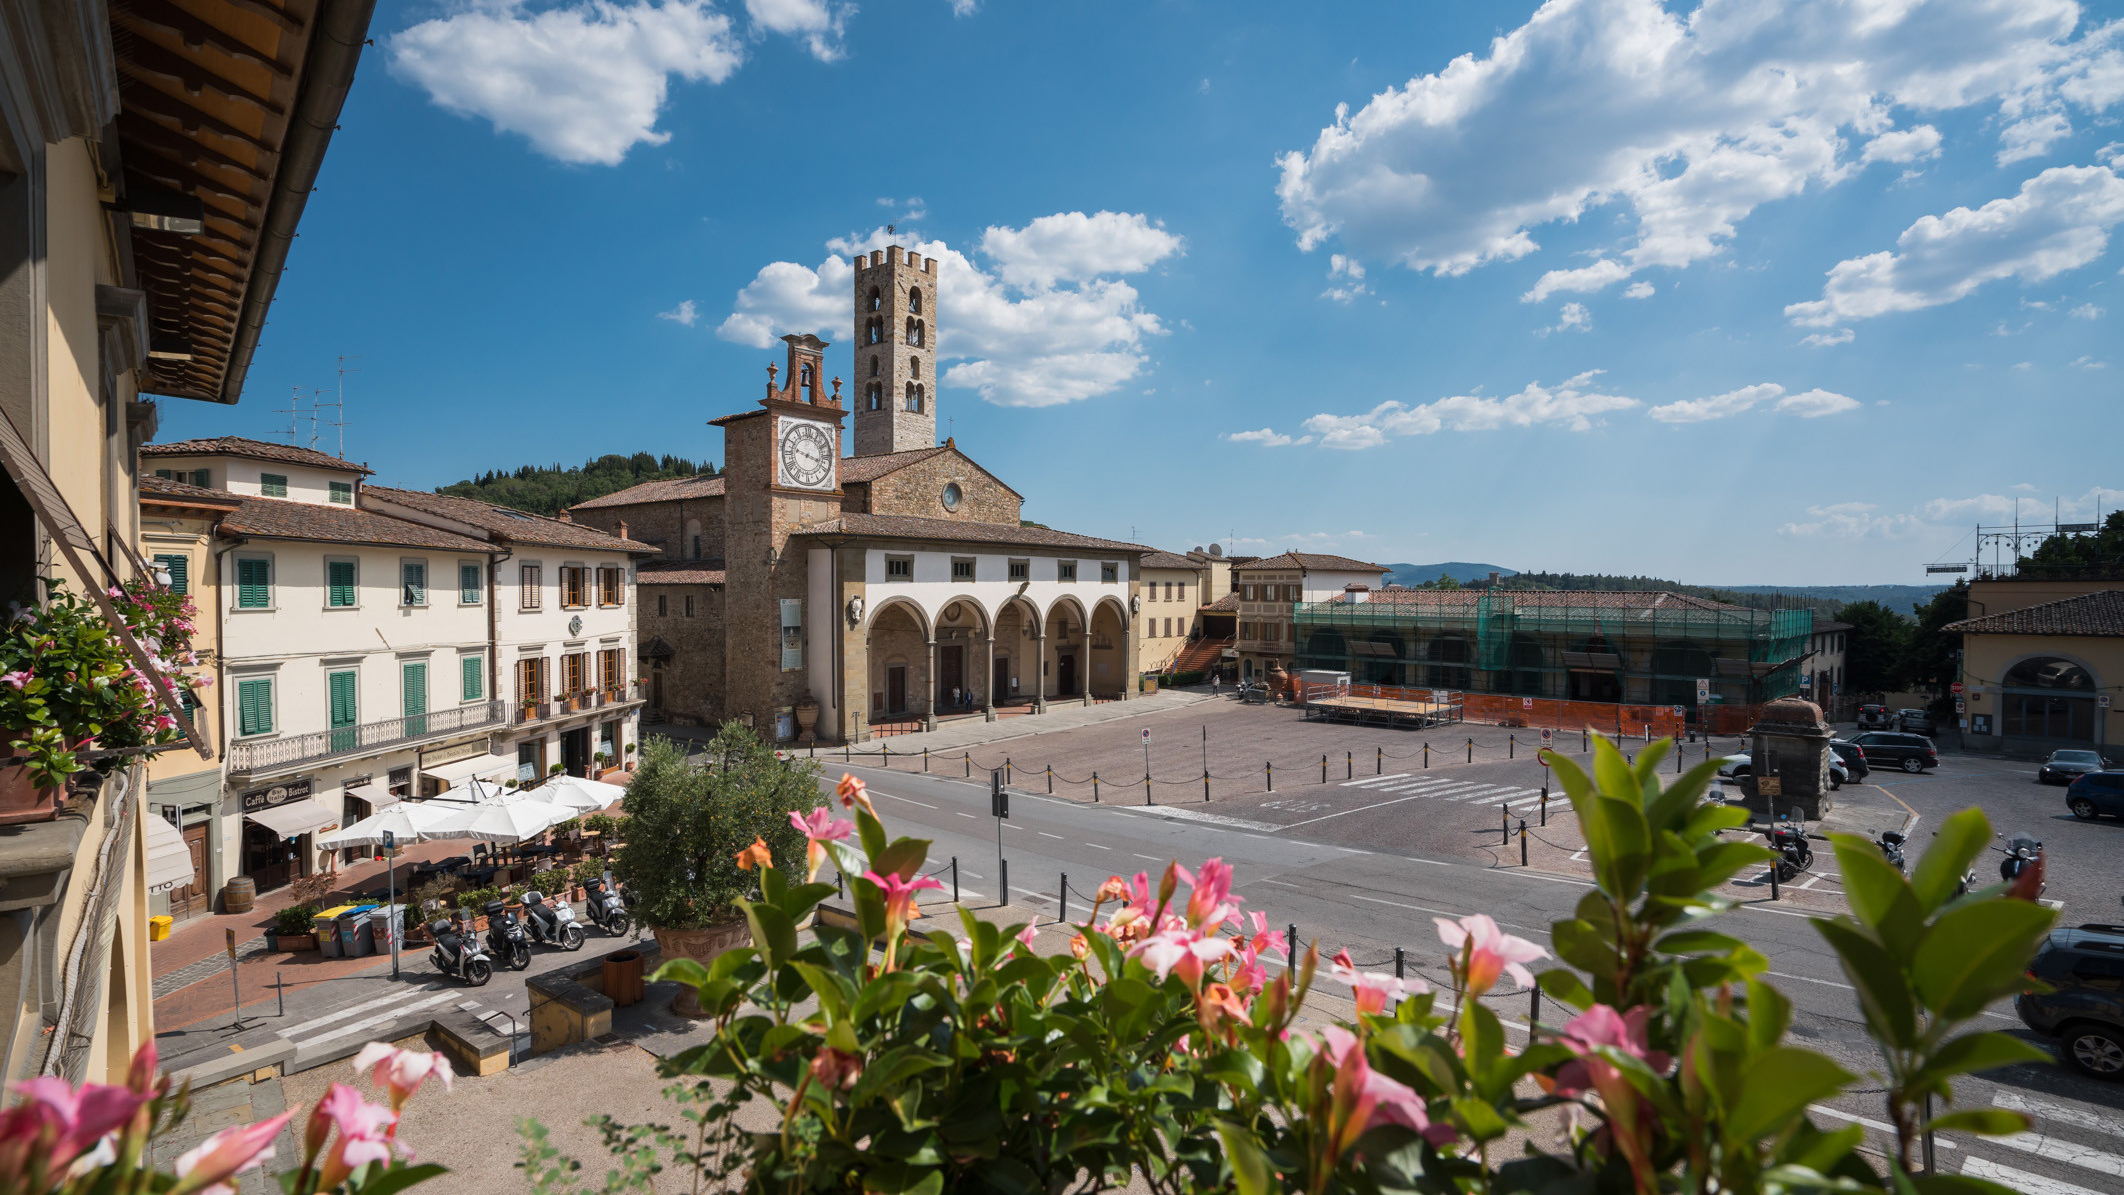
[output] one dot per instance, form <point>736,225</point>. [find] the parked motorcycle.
<point>551,924</point>
<point>2022,852</point>
<point>457,952</point>
<point>1793,854</point>
<point>1891,844</point>
<point>605,907</point>
<point>506,937</point>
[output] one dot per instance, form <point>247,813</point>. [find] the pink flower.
<point>1184,949</point>
<point>854,792</point>
<point>72,1119</point>
<point>837,1070</point>
<point>1211,900</point>
<point>1374,994</point>
<point>1362,1098</point>
<point>401,1071</point>
<point>1601,1025</point>
<point>18,679</point>
<point>1261,940</point>
<point>819,829</point>
<point>1487,951</point>
<point>364,1133</point>
<point>899,898</point>
<point>221,1156</point>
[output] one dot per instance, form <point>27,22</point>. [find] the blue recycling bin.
<point>356,938</point>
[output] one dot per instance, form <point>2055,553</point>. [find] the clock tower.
<point>782,464</point>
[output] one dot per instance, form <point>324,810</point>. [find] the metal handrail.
<point>364,739</point>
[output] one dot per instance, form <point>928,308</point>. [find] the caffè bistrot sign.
<point>278,794</point>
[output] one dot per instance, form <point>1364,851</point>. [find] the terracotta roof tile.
<point>1605,599</point>
<point>1169,560</point>
<point>277,518</point>
<point>1227,604</point>
<point>910,527</point>
<point>669,490</point>
<point>163,487</point>
<point>1319,560</point>
<point>516,526</point>
<point>286,454</point>
<point>2098,613</point>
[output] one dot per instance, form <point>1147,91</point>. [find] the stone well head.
<point>1790,746</point>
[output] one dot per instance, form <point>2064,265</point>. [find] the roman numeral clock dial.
<point>807,454</point>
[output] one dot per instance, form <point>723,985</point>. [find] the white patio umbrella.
<point>407,821</point>
<point>580,794</point>
<point>506,821</point>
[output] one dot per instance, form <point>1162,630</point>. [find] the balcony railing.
<point>561,707</point>
<point>367,738</point>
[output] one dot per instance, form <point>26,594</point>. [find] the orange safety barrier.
<point>1629,721</point>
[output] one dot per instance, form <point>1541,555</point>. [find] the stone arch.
<point>874,332</point>
<point>876,397</point>
<point>1066,650</point>
<point>1111,673</point>
<point>1449,655</point>
<point>873,365</point>
<point>1526,659</point>
<point>921,336</point>
<point>897,634</point>
<point>914,299</point>
<point>2049,697</point>
<point>877,299</point>
<point>1020,639</point>
<point>962,630</point>
<point>921,617</point>
<point>910,329</point>
<point>2048,670</point>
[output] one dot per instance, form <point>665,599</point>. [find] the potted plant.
<point>686,831</point>
<point>71,701</point>
<point>294,928</point>
<point>580,875</point>
<point>556,769</point>
<point>629,750</point>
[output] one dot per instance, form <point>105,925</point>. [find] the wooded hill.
<point>548,489</point>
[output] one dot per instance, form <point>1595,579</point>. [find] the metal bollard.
<point>925,759</point>
<point>1522,842</point>
<point>839,886</point>
<point>1773,879</point>
<point>1506,814</point>
<point>1291,936</point>
<point>1426,755</point>
<point>1269,770</point>
<point>1205,787</point>
<point>1002,882</point>
<point>1585,741</point>
<point>280,988</point>
<point>1006,770</point>
<point>1400,967</point>
<point>1544,804</point>
<point>1323,767</point>
<point>1146,786</point>
<point>1378,761</point>
<point>967,756</point>
<point>845,755</point>
<point>1095,788</point>
<point>1471,750</point>
<point>1533,1011</point>
<point>1050,780</point>
<point>1062,899</point>
<point>885,753</point>
<point>1677,759</point>
<point>955,879</point>
<point>1511,746</point>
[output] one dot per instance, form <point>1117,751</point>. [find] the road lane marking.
<point>2021,1180</point>
<point>1877,1126</point>
<point>909,800</point>
<point>1389,778</point>
<point>2079,1118</point>
<point>1098,847</point>
<point>1045,834</point>
<point>1360,809</point>
<point>1152,858</point>
<point>964,814</point>
<point>370,1022</point>
<point>392,997</point>
<point>1281,884</point>
<point>1827,983</point>
<point>1397,904</point>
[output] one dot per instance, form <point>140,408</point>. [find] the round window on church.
<point>952,495</point>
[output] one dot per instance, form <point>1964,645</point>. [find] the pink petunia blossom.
<point>365,1131</point>
<point>18,679</point>
<point>1364,1099</point>
<point>1184,949</point>
<point>1374,994</point>
<point>1211,899</point>
<point>225,1154</point>
<point>1487,952</point>
<point>401,1072</point>
<point>900,898</point>
<point>818,830</point>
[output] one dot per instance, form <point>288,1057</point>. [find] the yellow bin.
<point>159,929</point>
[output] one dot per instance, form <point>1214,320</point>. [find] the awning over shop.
<point>480,767</point>
<point>379,796</point>
<point>296,818</point>
<point>169,861</point>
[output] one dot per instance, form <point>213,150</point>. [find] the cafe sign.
<point>278,794</point>
<point>442,755</point>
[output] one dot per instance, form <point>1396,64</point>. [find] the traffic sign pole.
<point>398,924</point>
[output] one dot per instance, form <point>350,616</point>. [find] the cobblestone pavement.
<point>191,973</point>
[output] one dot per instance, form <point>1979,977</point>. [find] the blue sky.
<point>1738,293</point>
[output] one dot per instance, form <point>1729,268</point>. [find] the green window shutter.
<point>273,485</point>
<point>468,584</point>
<point>180,570</point>
<point>203,479</point>
<point>254,706</point>
<point>344,712</point>
<point>339,583</point>
<point>166,474</point>
<point>415,576</point>
<point>342,492</point>
<point>474,677</point>
<point>416,686</point>
<point>254,588</point>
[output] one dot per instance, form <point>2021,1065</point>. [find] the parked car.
<point>1875,717</point>
<point>2084,1010</point>
<point>2066,764</point>
<point>2095,794</point>
<point>1738,766</point>
<point>1913,722</point>
<point>1854,757</point>
<point>1910,752</point>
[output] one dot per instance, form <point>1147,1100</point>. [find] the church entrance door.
<point>951,681</point>
<point>896,689</point>
<point>1066,676</point>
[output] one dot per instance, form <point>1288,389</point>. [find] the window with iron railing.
<point>574,667</point>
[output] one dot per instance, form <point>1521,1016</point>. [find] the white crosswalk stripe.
<point>1409,786</point>
<point>2079,1118</point>
<point>392,997</point>
<point>2021,1180</point>
<point>1369,781</point>
<point>2049,1138</point>
<point>399,1007</point>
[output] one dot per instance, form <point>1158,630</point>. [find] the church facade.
<point>814,594</point>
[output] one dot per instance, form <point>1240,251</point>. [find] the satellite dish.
<point>1216,549</point>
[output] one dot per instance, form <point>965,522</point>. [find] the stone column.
<point>1790,744</point>
<point>988,677</point>
<point>1039,668</point>
<point>1084,662</point>
<point>929,716</point>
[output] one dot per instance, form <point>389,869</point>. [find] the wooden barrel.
<point>239,894</point>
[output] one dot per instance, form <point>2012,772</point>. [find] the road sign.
<point>390,840</point>
<point>232,943</point>
<point>1545,732</point>
<point>1543,754</point>
<point>1769,786</point>
<point>998,798</point>
<point>1681,711</point>
<point>2102,699</point>
<point>1703,689</point>
<point>1958,686</point>
<point>1146,736</point>
<point>1961,707</point>
<point>1525,703</point>
<point>1806,680</point>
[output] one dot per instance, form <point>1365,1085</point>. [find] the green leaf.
<point>1880,897</point>
<point>1884,993</point>
<point>1566,988</point>
<point>1989,1122</point>
<point>1781,1083</point>
<point>398,1178</point>
<point>1974,1052</point>
<point>773,934</point>
<point>1250,1168</point>
<point>1769,1013</point>
<point>872,834</point>
<point>1581,944</point>
<point>905,857</point>
<point>1976,953</point>
<point>1959,840</point>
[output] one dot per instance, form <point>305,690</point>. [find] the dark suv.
<point>2085,1012</point>
<point>1854,757</point>
<point>2093,794</point>
<point>1874,717</point>
<point>1910,752</point>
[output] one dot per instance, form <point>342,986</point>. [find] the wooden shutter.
<point>203,479</point>
<point>339,583</point>
<point>273,485</point>
<point>414,574</point>
<point>472,676</point>
<point>254,706</point>
<point>416,688</point>
<point>344,710</point>
<point>468,583</point>
<point>254,589</point>
<point>180,573</point>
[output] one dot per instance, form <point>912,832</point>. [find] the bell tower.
<point>895,351</point>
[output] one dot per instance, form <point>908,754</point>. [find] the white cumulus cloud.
<point>1852,520</point>
<point>2086,311</point>
<point>1266,437</point>
<point>2059,221</point>
<point>1345,279</point>
<point>1572,405</point>
<point>583,83</point>
<point>1638,290</point>
<point>1066,331</point>
<point>1571,317</point>
<point>1833,336</point>
<point>816,23</point>
<point>1813,404</point>
<point>1687,118</point>
<point>1903,145</point>
<point>685,313</point>
<point>1807,405</point>
<point>1074,247</point>
<point>2032,137</point>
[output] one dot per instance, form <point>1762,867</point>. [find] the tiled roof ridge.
<point>2101,609</point>
<point>918,527</point>
<point>543,528</point>
<point>256,449</point>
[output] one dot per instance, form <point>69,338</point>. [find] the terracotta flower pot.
<point>700,945</point>
<point>21,801</point>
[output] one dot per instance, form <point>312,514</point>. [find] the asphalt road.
<point>1372,898</point>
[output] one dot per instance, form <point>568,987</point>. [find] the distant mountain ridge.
<point>1899,598</point>
<point>1822,599</point>
<point>1460,570</point>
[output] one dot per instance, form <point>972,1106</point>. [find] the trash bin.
<point>159,928</point>
<point>356,939</point>
<point>385,921</point>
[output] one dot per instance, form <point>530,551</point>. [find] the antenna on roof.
<point>294,412</point>
<point>339,404</point>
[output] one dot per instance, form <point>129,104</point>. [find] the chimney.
<point>565,517</point>
<point>623,528</point>
<point>1355,594</point>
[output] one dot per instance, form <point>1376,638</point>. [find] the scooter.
<point>2021,852</point>
<point>606,908</point>
<point>551,925</point>
<point>1790,843</point>
<point>505,936</point>
<point>1891,844</point>
<point>457,953</point>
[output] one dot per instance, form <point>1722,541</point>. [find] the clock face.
<point>808,451</point>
